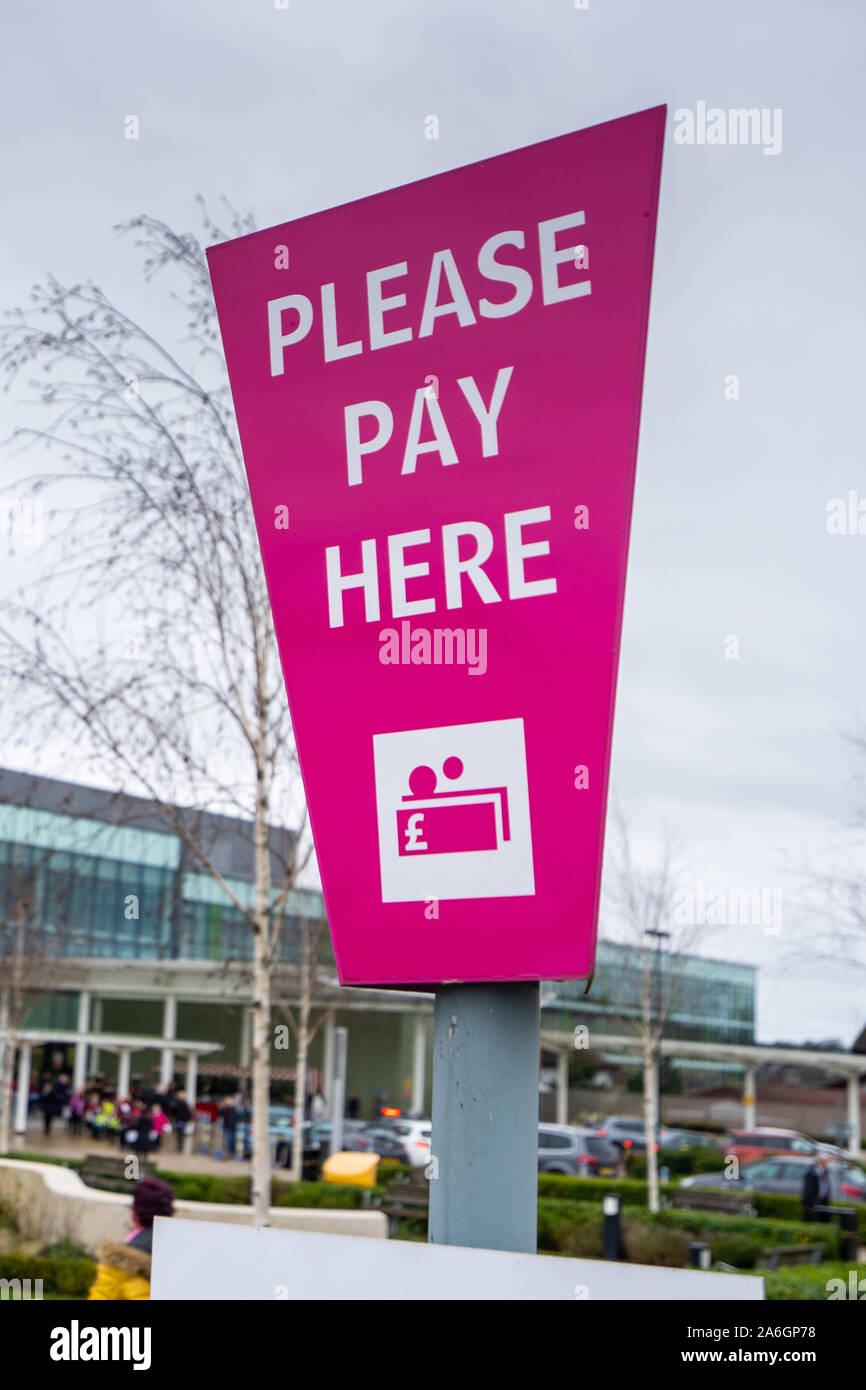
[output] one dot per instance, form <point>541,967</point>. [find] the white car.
<point>413,1137</point>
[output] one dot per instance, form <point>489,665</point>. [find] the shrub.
<point>575,1228</point>
<point>208,1187</point>
<point>775,1206</point>
<point>558,1187</point>
<point>66,1249</point>
<point>810,1281</point>
<point>740,1240</point>
<point>633,1191</point>
<point>645,1245</point>
<point>570,1228</point>
<point>323,1194</point>
<point>679,1162</point>
<point>63,1276</point>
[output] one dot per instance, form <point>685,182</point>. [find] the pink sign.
<point>438,393</point>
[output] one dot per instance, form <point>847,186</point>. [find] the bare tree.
<point>642,896</point>
<point>831,887</point>
<point>304,1024</point>
<point>155,545</point>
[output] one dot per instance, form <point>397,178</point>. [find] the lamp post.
<point>657,1017</point>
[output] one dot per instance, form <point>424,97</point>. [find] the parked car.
<point>285,1142</point>
<point>784,1174</point>
<point>407,1140</point>
<point>625,1132</point>
<point>750,1144</point>
<point>354,1139</point>
<point>577,1152</point>
<point>679,1139</point>
<point>852,1183</point>
<point>832,1149</point>
<point>280,1119</point>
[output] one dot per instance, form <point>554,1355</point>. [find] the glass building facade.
<point>703,1000</point>
<point>101,879</point>
<point>92,889</point>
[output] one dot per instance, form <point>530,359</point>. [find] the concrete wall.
<point>49,1202</point>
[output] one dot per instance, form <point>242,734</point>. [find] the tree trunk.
<point>261,1042</point>
<point>261,1058</point>
<point>7,1063</point>
<point>297,1168</point>
<point>650,1123</point>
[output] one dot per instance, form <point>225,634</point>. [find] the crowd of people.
<point>146,1119</point>
<point>140,1120</point>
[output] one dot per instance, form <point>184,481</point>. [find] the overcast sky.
<point>758,274</point>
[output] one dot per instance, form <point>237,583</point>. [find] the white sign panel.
<point>212,1261</point>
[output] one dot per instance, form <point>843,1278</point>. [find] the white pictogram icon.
<point>414,833</point>
<point>453,812</point>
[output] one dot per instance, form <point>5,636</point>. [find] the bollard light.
<point>700,1256</point>
<point>611,1234</point>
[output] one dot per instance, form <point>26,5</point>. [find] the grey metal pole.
<point>484,1161</point>
<point>338,1102</point>
<point>659,1037</point>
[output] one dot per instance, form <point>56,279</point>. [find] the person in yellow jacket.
<point>123,1271</point>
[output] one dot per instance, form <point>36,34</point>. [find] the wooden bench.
<point>108,1172</point>
<point>777,1255</point>
<point>405,1200</point>
<point>709,1199</point>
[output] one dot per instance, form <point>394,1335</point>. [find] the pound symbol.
<point>414,831</point>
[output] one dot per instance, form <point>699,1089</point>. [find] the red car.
<point>749,1144</point>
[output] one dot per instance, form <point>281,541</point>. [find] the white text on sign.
<point>455,567</point>
<point>443,266</point>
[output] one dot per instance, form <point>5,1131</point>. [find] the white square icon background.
<point>493,758</point>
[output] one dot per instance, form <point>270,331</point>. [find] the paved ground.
<point>62,1145</point>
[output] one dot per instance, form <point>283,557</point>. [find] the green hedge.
<point>767,1204</point>
<point>575,1228</point>
<point>324,1194</point>
<point>810,1281</point>
<point>214,1187</point>
<point>209,1187</point>
<point>679,1162</point>
<point>71,1278</point>
<point>556,1186</point>
<point>740,1240</point>
<point>779,1208</point>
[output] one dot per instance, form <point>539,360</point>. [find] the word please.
<point>455,567</point>
<point>440,300</point>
